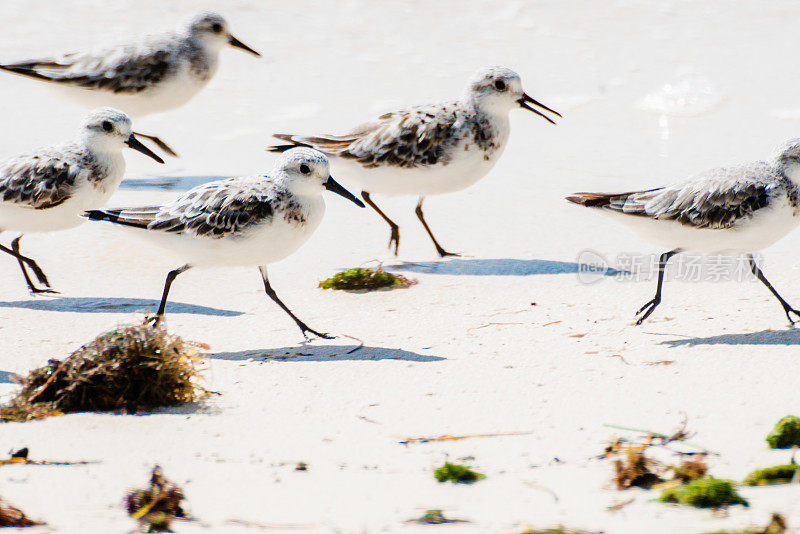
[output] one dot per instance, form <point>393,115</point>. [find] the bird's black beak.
<point>138,146</point>
<point>524,103</point>
<point>236,43</point>
<point>334,186</point>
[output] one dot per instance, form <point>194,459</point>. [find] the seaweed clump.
<point>460,474</point>
<point>785,434</point>
<point>690,469</point>
<point>703,493</point>
<point>635,469</point>
<point>365,278</point>
<point>155,507</point>
<point>779,474</point>
<point>11,516</point>
<point>131,368</point>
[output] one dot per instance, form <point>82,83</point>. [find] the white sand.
<point>427,368</point>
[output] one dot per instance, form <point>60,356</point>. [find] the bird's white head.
<point>306,172</point>
<point>211,30</point>
<point>108,130</point>
<point>787,158</point>
<point>496,90</point>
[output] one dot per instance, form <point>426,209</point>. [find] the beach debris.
<point>301,466</point>
<point>619,505</point>
<point>465,436</point>
<point>435,517</point>
<point>365,278</point>
<point>21,457</point>
<point>776,525</point>
<point>130,368</point>
<point>779,474</point>
<point>691,469</point>
<point>157,506</point>
<point>705,492</point>
<point>459,474</point>
<point>11,516</point>
<point>651,438</point>
<point>785,434</point>
<point>634,469</point>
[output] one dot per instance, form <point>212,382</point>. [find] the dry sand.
<point>650,93</point>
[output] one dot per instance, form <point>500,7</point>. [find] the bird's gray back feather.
<point>46,178</point>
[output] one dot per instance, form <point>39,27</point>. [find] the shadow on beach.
<point>501,267</point>
<point>327,353</point>
<point>790,336</point>
<point>113,305</point>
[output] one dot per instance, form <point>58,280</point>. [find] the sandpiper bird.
<point>154,74</point>
<point>254,220</point>
<point>427,150</point>
<point>49,189</point>
<point>729,210</point>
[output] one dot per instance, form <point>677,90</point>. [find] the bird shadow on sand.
<point>326,353</point>
<point>113,305</point>
<point>504,267</point>
<point>5,377</point>
<point>790,336</point>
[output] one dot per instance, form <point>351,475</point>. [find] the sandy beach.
<point>509,338</point>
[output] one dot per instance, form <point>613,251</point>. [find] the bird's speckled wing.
<point>129,68</point>
<point>42,180</point>
<point>718,198</point>
<point>217,209</point>
<point>407,138</point>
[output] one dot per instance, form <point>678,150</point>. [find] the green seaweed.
<point>785,434</point>
<point>364,278</point>
<point>460,474</point>
<point>779,474</point>
<point>703,493</point>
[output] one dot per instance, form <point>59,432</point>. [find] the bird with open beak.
<point>427,150</point>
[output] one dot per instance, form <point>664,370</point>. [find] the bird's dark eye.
<point>216,27</point>
<point>500,85</point>
<point>305,169</point>
<point>107,126</point>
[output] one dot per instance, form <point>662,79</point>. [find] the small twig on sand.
<point>534,485</point>
<point>619,505</point>
<point>490,324</point>
<point>454,438</point>
<point>360,343</point>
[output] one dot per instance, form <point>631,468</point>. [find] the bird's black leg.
<point>167,284</point>
<point>648,308</point>
<point>274,296</point>
<point>43,279</point>
<point>14,251</point>
<point>442,252</point>
<point>786,307</point>
<point>395,236</point>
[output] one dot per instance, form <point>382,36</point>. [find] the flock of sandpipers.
<point>424,150</point>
